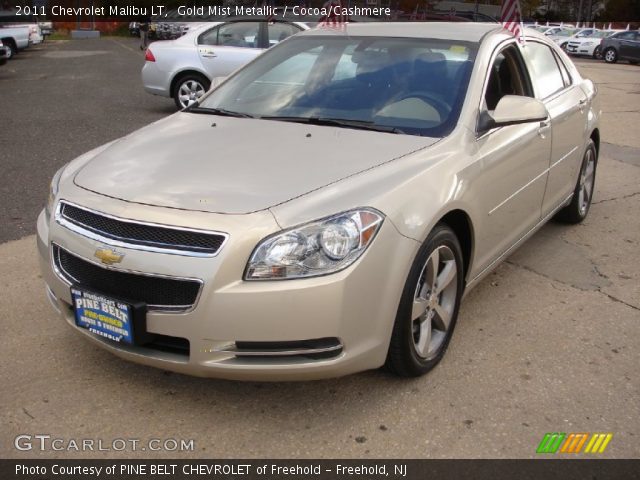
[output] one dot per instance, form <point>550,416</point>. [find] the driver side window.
<point>506,77</point>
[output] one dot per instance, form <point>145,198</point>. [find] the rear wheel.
<point>610,55</point>
<point>189,88</point>
<point>597,53</point>
<point>429,306</point>
<point>633,62</point>
<point>578,209</point>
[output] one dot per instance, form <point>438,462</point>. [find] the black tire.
<point>633,62</point>
<point>184,80</point>
<point>564,46</point>
<point>610,55</point>
<point>597,53</point>
<point>403,358</point>
<point>578,210</point>
<point>13,48</point>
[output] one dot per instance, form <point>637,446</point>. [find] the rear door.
<point>567,107</point>
<point>227,47</point>
<point>630,45</point>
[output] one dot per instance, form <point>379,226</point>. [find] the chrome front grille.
<point>140,235</point>
<point>158,292</point>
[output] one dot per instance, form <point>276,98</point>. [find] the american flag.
<point>333,19</point>
<point>511,17</point>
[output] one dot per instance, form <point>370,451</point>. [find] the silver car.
<point>183,69</point>
<point>324,210</point>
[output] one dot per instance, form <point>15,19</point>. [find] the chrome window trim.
<point>69,280</point>
<point>61,220</point>
<point>278,353</point>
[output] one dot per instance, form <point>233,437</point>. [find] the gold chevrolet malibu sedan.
<point>324,210</point>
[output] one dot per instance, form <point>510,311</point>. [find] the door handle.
<point>209,55</point>
<point>544,127</point>
<point>581,104</point>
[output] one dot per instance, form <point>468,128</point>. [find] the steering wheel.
<point>442,107</point>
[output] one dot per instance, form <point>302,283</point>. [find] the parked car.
<point>563,35</point>
<point>588,46</point>
<point>621,46</point>
<point>46,28</point>
<point>35,34</point>
<point>15,38</point>
<point>4,54</point>
<point>324,210</point>
<point>184,68</point>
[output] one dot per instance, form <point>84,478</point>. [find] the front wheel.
<point>610,55</point>
<point>580,204</point>
<point>188,89</point>
<point>429,306</point>
<point>13,49</point>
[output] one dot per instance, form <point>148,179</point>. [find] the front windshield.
<point>404,85</point>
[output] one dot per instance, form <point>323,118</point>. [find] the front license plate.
<point>103,315</point>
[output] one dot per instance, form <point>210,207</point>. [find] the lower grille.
<point>166,343</point>
<point>159,293</point>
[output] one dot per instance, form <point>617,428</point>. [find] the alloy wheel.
<point>586,182</point>
<point>597,53</point>
<point>189,92</point>
<point>610,55</point>
<point>434,302</point>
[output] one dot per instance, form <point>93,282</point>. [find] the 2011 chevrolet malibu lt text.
<point>323,210</point>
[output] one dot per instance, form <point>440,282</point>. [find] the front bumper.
<point>356,306</point>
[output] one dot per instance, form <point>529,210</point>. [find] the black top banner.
<point>320,469</point>
<point>147,11</point>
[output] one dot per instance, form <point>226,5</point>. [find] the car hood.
<point>234,165</point>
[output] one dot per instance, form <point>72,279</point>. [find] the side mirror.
<point>512,110</point>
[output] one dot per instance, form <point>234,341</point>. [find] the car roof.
<point>469,32</point>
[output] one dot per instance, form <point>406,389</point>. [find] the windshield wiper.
<point>195,108</point>
<point>337,122</point>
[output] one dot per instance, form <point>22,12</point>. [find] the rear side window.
<point>545,73</point>
<point>626,36</point>
<point>279,31</point>
<point>237,34</point>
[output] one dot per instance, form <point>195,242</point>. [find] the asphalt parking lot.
<point>549,342</point>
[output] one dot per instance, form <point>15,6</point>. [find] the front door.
<point>514,162</point>
<point>227,47</point>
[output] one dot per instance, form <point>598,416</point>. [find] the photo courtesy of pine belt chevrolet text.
<point>325,209</point>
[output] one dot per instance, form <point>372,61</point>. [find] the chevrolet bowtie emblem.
<point>108,256</point>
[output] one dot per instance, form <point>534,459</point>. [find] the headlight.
<point>53,191</point>
<point>317,248</point>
